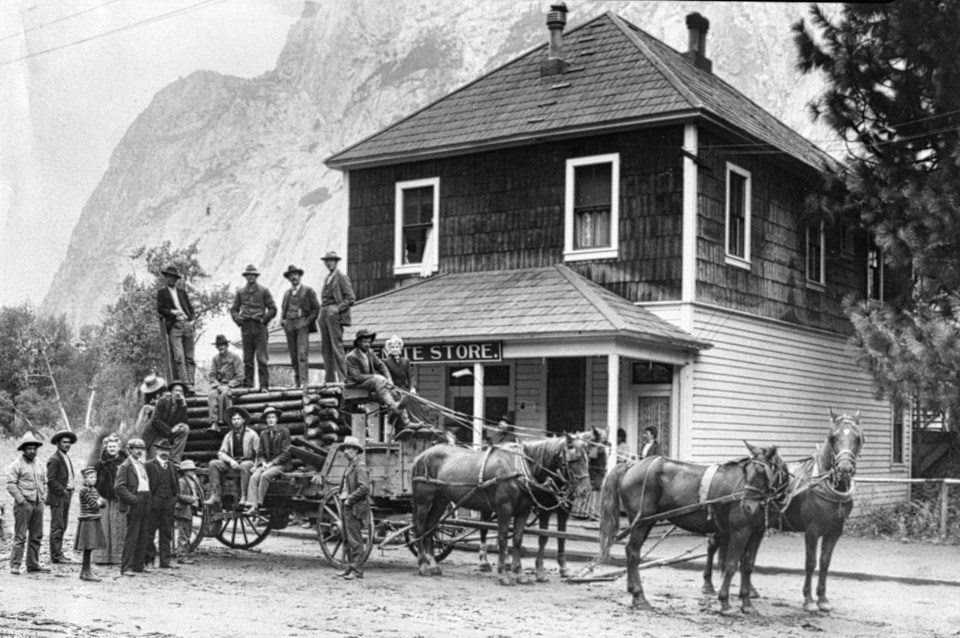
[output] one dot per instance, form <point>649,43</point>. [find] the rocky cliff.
<point>237,163</point>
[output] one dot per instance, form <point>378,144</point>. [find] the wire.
<point>163,16</point>
<point>66,17</point>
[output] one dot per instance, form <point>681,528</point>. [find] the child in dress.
<point>89,532</point>
<point>183,511</point>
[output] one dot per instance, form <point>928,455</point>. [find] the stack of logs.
<point>314,417</point>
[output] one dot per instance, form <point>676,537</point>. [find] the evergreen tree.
<point>892,94</point>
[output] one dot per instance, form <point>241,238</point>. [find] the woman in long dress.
<point>114,523</point>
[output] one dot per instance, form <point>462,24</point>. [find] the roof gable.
<point>619,76</point>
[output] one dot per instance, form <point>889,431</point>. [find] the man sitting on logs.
<point>366,370</point>
<point>169,422</point>
<point>238,451</point>
<point>273,458</point>
<point>226,373</point>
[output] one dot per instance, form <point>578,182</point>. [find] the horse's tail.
<point>610,509</point>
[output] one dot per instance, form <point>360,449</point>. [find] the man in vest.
<point>238,452</point>
<point>336,297</point>
<point>27,484</point>
<point>164,489</point>
<point>273,458</point>
<point>298,316</point>
<point>366,370</point>
<point>354,497</point>
<point>252,310</point>
<point>226,373</point>
<point>174,306</point>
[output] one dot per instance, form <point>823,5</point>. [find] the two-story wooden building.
<point>603,232</point>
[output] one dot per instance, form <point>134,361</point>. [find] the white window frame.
<point>880,268</point>
<point>736,260</point>
<point>813,283</point>
<point>584,254</point>
<point>400,268</point>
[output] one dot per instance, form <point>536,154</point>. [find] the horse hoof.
<point>824,605</point>
<point>507,581</point>
<point>523,579</point>
<point>564,572</point>
<point>424,570</point>
<point>727,610</point>
<point>640,604</point>
<point>436,571</point>
<point>709,590</point>
<point>749,610</point>
<point>810,606</point>
<point>485,567</point>
<point>542,578</point>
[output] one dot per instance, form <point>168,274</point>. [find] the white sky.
<point>62,113</point>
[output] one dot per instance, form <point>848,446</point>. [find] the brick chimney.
<point>556,21</point>
<point>697,27</point>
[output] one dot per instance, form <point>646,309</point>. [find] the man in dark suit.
<point>169,423</point>
<point>298,315</point>
<point>336,297</point>
<point>273,458</point>
<point>164,490</point>
<point>650,446</point>
<point>354,493</point>
<point>133,490</point>
<point>366,370</point>
<point>60,482</point>
<point>174,306</point>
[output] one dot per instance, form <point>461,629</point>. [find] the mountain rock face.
<point>238,163</point>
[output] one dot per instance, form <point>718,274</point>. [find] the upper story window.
<point>738,216</point>
<point>875,273</point>
<point>417,223</point>
<point>815,255</point>
<point>592,208</point>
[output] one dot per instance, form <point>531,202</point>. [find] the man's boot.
<point>213,499</point>
<point>87,574</point>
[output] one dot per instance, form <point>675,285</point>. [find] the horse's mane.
<point>542,452</point>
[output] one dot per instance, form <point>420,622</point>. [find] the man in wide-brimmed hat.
<point>174,306</point>
<point>354,497</point>
<point>226,374</point>
<point>169,423</point>
<point>273,457</point>
<point>238,451</point>
<point>366,370</point>
<point>252,310</point>
<point>27,484</point>
<point>336,297</point>
<point>187,501</point>
<point>61,480</point>
<point>298,315</point>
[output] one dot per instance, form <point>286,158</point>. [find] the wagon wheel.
<point>330,531</point>
<point>199,522</point>
<point>243,531</point>
<point>444,537</point>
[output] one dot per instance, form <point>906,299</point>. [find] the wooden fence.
<point>945,484</point>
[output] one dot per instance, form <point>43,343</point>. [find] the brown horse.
<point>817,502</point>
<point>503,481</point>
<point>657,488</point>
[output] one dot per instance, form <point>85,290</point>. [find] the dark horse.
<point>817,503</point>
<point>558,499</point>
<point>502,481</point>
<point>657,488</point>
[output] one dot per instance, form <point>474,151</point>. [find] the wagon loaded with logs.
<point>318,418</point>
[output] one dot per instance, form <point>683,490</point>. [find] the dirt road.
<point>284,588</point>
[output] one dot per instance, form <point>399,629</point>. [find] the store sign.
<point>455,352</point>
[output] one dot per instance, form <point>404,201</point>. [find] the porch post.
<point>478,402</point>
<point>613,407</point>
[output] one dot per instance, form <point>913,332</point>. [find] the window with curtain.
<point>592,207</point>
<point>416,227</point>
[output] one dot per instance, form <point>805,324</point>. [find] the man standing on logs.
<point>174,306</point>
<point>238,452</point>
<point>298,316</point>
<point>335,300</point>
<point>366,370</point>
<point>354,497</point>
<point>169,423</point>
<point>252,310</point>
<point>273,458</point>
<point>226,373</point>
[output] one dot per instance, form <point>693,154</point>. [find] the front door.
<point>566,394</point>
<point>653,411</point>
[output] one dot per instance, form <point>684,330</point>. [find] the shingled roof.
<point>501,304</point>
<point>619,77</point>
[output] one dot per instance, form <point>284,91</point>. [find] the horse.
<point>657,488</point>
<point>818,501</point>
<point>502,481</point>
<point>557,500</point>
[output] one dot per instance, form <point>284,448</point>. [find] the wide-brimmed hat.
<point>269,410</point>
<point>152,383</point>
<point>291,269</point>
<point>251,270</point>
<point>182,384</point>
<point>63,434</point>
<point>28,439</point>
<point>351,441</point>
<point>237,410</point>
<point>221,341</point>
<point>187,465</point>
<point>171,271</point>
<point>163,444</point>
<point>331,256</point>
<point>363,333</point>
